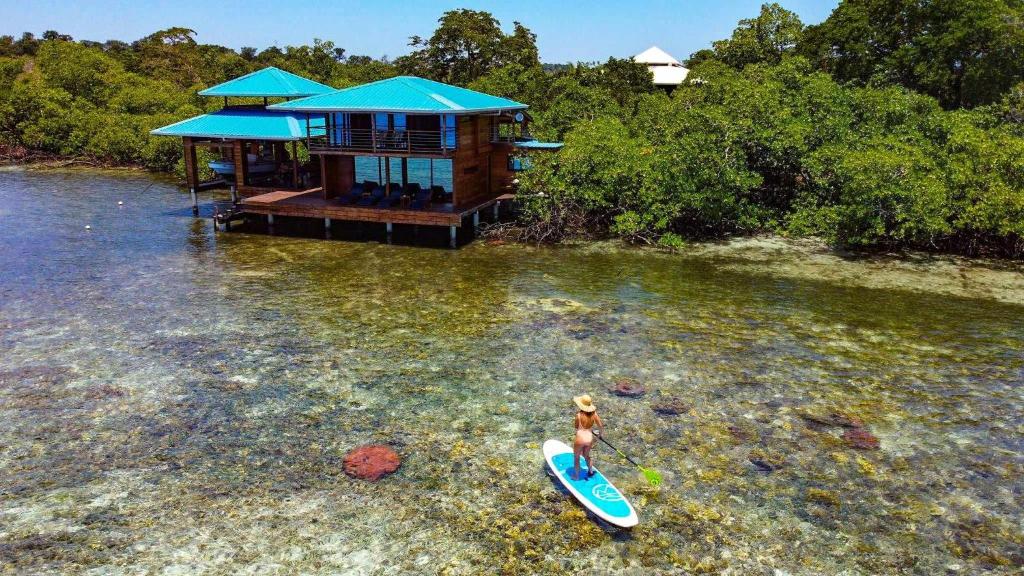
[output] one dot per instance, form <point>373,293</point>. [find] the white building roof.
<point>667,70</point>
<point>655,55</point>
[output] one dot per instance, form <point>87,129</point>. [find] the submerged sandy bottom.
<point>174,401</point>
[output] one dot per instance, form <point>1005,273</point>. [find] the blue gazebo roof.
<point>408,94</point>
<point>240,123</point>
<point>268,82</point>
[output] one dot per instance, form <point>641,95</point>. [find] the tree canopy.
<point>466,45</point>
<point>963,52</point>
<point>773,34</point>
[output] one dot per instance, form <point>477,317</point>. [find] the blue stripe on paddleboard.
<point>596,489</point>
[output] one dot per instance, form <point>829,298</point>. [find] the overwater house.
<point>404,150</point>
<point>668,72</point>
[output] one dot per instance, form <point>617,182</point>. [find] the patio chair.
<point>439,194</point>
<point>391,199</point>
<point>422,200</point>
<point>353,195</point>
<point>373,198</point>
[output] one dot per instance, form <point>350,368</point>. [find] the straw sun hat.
<point>585,403</point>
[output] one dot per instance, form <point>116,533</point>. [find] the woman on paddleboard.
<point>586,419</point>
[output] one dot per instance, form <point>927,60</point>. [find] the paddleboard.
<point>596,492</point>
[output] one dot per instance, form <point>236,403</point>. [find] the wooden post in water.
<point>191,172</point>
<point>387,175</point>
<point>295,165</point>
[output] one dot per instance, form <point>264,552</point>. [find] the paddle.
<point>652,475</point>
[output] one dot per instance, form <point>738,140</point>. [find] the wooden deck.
<point>312,204</point>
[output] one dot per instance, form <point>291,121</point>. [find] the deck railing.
<point>439,142</point>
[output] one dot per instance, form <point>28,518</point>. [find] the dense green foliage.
<point>764,39</point>
<point>98,102</point>
<point>891,124</point>
<point>466,45</point>
<point>763,139</point>
<point>962,52</point>
<point>787,149</point>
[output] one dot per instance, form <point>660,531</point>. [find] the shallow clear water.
<point>178,401</point>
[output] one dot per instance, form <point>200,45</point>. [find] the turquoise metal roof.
<point>538,145</point>
<point>270,82</point>
<point>248,123</point>
<point>403,94</point>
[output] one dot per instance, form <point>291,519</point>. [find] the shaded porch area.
<point>253,167</point>
<point>246,148</point>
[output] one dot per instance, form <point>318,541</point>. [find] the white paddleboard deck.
<point>595,492</point>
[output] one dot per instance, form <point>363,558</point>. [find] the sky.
<point>578,31</point>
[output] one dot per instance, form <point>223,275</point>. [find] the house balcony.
<point>369,141</point>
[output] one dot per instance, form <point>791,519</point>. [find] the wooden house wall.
<point>471,166</point>
<point>501,176</point>
<point>339,174</point>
